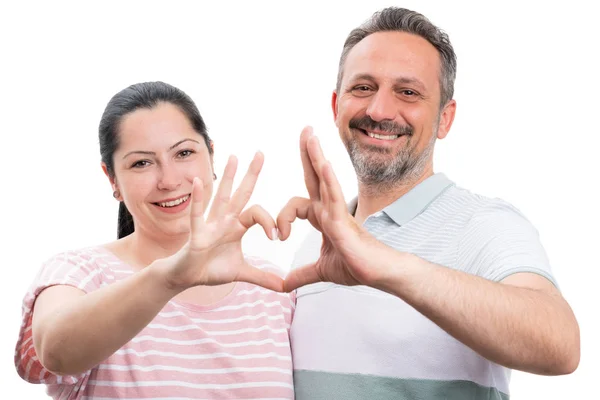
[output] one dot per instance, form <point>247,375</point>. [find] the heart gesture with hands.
<point>213,255</point>
<point>347,250</point>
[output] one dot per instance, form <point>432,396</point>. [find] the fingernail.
<point>275,234</point>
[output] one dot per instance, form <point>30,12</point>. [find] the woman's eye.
<point>185,153</point>
<point>141,164</point>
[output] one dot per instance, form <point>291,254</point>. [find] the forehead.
<point>147,127</point>
<point>393,55</point>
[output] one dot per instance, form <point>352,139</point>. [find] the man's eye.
<point>408,92</point>
<point>362,90</point>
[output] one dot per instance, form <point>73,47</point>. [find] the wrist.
<point>395,271</point>
<point>159,273</point>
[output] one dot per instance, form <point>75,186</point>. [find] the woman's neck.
<point>140,250</point>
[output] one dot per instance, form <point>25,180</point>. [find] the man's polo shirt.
<point>357,342</point>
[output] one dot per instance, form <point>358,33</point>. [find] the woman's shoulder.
<point>79,266</point>
<point>90,256</point>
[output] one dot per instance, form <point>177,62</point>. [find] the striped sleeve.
<point>72,269</point>
<point>499,241</point>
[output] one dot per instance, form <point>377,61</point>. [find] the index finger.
<point>316,156</point>
<point>295,208</point>
<point>197,207</point>
<point>337,205</point>
<point>311,180</point>
<point>222,197</point>
<point>243,193</point>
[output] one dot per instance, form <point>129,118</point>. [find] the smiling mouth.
<point>173,203</point>
<point>379,135</point>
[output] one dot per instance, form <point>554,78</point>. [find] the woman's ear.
<point>108,174</point>
<point>113,182</point>
<point>212,159</point>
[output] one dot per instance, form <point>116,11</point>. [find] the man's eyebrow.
<point>359,77</point>
<point>410,81</point>
<point>403,80</point>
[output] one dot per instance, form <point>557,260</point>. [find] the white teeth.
<point>174,202</point>
<point>382,137</point>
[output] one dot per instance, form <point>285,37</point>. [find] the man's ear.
<point>334,107</point>
<point>446,119</point>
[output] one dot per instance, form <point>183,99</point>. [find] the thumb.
<point>301,276</point>
<point>256,276</point>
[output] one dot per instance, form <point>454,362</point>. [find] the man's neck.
<point>371,200</point>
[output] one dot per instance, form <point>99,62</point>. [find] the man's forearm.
<point>520,328</point>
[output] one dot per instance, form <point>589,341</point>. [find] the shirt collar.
<point>415,201</point>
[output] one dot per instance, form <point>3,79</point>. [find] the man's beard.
<point>382,173</point>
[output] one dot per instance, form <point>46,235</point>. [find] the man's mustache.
<point>366,123</point>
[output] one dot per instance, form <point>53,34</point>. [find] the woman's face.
<point>159,155</point>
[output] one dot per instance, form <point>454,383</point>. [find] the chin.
<point>175,228</point>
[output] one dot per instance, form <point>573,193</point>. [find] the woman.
<point>172,308</point>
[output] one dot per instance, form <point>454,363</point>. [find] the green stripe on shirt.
<point>318,385</point>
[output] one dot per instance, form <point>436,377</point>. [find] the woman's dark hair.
<point>141,95</point>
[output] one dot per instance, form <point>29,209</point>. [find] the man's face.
<point>388,107</point>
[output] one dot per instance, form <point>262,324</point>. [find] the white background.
<point>525,129</point>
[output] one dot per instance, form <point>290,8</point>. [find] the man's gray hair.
<point>403,20</point>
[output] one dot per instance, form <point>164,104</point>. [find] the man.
<point>420,289</point>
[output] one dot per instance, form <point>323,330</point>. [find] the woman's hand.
<point>213,255</point>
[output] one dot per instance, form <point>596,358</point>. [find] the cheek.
<point>200,168</point>
<point>349,107</point>
<point>136,186</point>
<point>416,116</point>
<point>421,119</point>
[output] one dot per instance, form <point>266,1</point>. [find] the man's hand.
<point>346,247</point>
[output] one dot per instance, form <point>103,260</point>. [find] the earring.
<point>116,194</point>
<point>214,176</point>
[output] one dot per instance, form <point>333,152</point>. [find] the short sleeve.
<point>75,269</point>
<point>499,241</point>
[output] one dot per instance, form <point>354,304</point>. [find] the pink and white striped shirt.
<point>237,348</point>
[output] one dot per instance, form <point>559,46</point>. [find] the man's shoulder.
<point>473,203</point>
<point>479,217</point>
